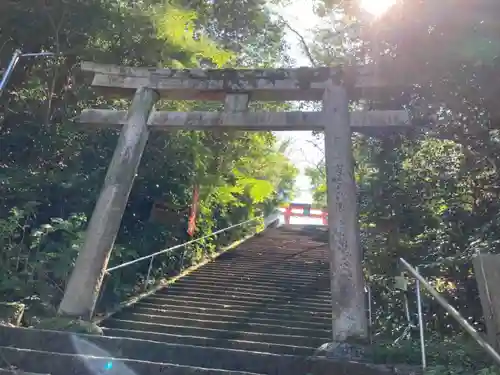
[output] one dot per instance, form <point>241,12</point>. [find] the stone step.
<point>155,352</point>
<point>165,300</point>
<point>251,266</point>
<point>242,325</point>
<point>230,305</point>
<point>198,278</point>
<point>208,304</point>
<point>320,283</point>
<point>263,308</point>
<point>269,275</point>
<point>256,299</point>
<point>228,316</point>
<point>269,312</point>
<point>287,252</point>
<point>212,342</point>
<point>250,287</point>
<point>269,337</point>
<point>275,258</point>
<point>240,293</point>
<point>77,364</point>
<point>265,271</point>
<point>17,372</point>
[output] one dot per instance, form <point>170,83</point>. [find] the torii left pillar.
<point>84,284</point>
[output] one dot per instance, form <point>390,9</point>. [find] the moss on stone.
<point>70,325</point>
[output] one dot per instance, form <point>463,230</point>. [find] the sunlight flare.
<point>376,7</point>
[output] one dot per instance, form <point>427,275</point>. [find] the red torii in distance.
<point>303,210</point>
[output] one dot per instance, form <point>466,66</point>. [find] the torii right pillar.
<point>349,320</point>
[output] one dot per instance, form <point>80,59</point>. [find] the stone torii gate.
<point>236,88</point>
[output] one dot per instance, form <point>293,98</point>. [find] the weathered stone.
<point>344,351</point>
<point>85,282</point>
<point>12,371</point>
<point>486,269</point>
<point>236,103</point>
<point>236,87</point>
<point>70,325</point>
<point>213,84</point>
<point>240,120</point>
<point>347,284</point>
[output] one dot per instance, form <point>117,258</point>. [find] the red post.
<point>192,215</point>
<point>287,216</point>
<point>324,217</point>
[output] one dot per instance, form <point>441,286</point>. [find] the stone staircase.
<point>263,308</point>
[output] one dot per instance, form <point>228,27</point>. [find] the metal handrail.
<point>176,247</point>
<point>170,249</point>
<point>452,311</point>
<point>17,55</point>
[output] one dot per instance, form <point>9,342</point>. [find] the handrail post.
<point>146,281</point>
<point>421,323</point>
<point>151,257</point>
<point>454,313</point>
<point>10,68</point>
<point>370,319</point>
<point>16,56</point>
<point>105,281</point>
<point>170,249</point>
<point>182,260</point>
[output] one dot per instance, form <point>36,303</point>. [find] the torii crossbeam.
<point>236,88</point>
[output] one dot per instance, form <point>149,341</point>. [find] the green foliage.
<point>419,200</point>
<point>36,260</point>
<point>429,194</point>
<point>459,355</point>
<point>178,27</point>
<point>317,176</point>
<point>51,170</point>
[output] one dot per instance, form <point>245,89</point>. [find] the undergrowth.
<point>445,355</point>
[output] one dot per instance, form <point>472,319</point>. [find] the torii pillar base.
<point>345,351</point>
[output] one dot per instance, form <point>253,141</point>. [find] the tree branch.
<point>302,41</point>
<point>56,28</point>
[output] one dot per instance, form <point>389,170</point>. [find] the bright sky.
<point>302,153</point>
<point>299,14</point>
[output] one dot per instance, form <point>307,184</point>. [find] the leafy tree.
<point>430,194</point>
<point>51,170</point>
<point>317,176</point>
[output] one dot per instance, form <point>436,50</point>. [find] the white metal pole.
<point>454,313</point>
<point>421,324</point>
<point>370,322</point>
<point>13,62</point>
<point>8,72</point>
